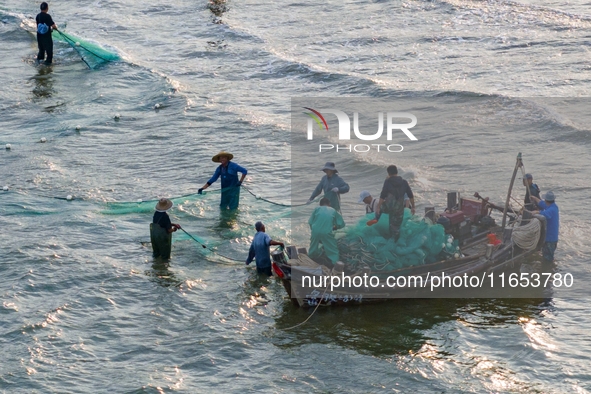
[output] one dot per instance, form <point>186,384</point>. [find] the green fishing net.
<point>91,53</point>
<point>420,242</point>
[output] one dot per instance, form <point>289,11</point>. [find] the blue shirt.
<point>229,174</point>
<point>326,185</point>
<point>550,212</point>
<point>260,250</point>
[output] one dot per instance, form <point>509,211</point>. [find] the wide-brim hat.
<point>216,158</point>
<point>164,204</point>
<point>329,166</point>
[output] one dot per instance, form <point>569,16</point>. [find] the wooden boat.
<point>489,254</point>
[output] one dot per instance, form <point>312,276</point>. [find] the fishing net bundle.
<point>91,53</point>
<point>420,242</point>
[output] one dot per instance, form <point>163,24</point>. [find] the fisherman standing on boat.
<point>332,185</point>
<point>370,203</point>
<point>230,183</point>
<point>531,190</point>
<point>323,221</point>
<point>161,229</point>
<point>549,210</point>
<point>44,40</point>
<point>392,200</point>
<point>260,250</point>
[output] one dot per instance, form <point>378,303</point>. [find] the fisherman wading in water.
<point>44,41</point>
<point>161,229</point>
<point>228,171</point>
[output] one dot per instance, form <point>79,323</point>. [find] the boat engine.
<point>463,218</point>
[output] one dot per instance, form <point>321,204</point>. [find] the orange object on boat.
<point>492,239</point>
<point>371,222</point>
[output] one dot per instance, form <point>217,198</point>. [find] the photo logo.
<point>315,116</point>
<point>345,124</point>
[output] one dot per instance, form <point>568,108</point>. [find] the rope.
<point>27,193</point>
<point>211,250</point>
<point>527,236</point>
<point>141,201</point>
<point>272,202</point>
<point>69,41</point>
<point>314,311</point>
<point>193,238</point>
<point>517,202</point>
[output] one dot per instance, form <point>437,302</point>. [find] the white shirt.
<point>371,207</point>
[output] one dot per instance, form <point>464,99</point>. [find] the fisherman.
<point>531,190</point>
<point>260,249</point>
<point>549,210</point>
<point>392,200</point>
<point>44,41</point>
<point>370,203</point>
<point>332,185</point>
<point>230,183</point>
<point>323,222</point>
<point>161,229</point>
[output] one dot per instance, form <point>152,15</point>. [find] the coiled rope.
<point>527,236</point>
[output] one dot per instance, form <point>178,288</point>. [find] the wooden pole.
<point>518,164</point>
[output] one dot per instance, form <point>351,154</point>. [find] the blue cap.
<point>258,226</point>
<point>528,176</point>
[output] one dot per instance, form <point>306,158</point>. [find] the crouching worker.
<point>323,221</point>
<point>161,229</point>
<point>260,250</point>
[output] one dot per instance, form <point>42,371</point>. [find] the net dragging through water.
<point>91,53</point>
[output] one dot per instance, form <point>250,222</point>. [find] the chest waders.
<point>394,207</point>
<point>230,190</point>
<point>161,241</point>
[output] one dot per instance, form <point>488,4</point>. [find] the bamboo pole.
<point>518,164</point>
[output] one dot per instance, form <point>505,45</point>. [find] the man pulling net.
<point>44,41</point>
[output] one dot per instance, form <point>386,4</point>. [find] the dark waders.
<point>161,241</point>
<point>45,44</point>
<point>230,197</point>
<point>395,209</point>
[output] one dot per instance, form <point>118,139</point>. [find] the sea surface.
<point>86,309</point>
